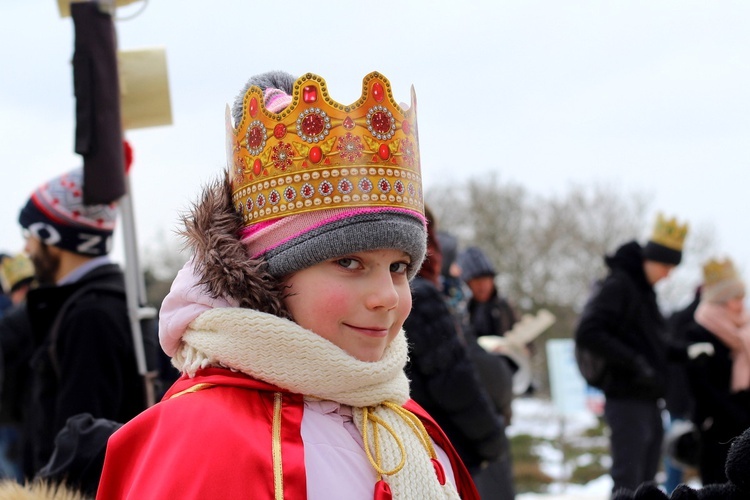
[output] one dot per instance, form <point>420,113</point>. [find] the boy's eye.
<point>399,267</point>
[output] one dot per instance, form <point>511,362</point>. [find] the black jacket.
<point>91,368</point>
<point>622,322</point>
<point>16,347</point>
<point>444,381</point>
<point>494,317</point>
<point>679,397</point>
<point>719,414</point>
<point>718,411</point>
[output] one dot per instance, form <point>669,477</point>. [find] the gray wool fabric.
<point>475,264</point>
<point>358,233</point>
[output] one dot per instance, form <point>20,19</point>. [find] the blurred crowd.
<point>86,392</point>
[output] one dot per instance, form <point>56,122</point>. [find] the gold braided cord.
<point>193,388</point>
<point>368,417</point>
<point>278,472</point>
<point>416,425</point>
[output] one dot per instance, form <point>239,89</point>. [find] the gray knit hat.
<point>314,179</point>
<point>475,264</point>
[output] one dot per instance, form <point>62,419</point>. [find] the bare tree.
<point>547,250</point>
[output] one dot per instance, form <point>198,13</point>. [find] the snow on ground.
<point>540,418</point>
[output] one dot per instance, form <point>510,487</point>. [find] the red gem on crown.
<point>310,94</point>
<point>377,91</point>
<point>279,131</point>
<point>315,154</point>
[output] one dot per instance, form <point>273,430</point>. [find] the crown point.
<point>310,94</point>
<point>377,91</point>
<point>253,108</point>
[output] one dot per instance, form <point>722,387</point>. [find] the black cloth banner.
<point>99,136</point>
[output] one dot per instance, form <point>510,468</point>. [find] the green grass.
<point>586,456</point>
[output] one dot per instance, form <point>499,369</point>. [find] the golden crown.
<point>318,154</point>
<point>669,233</point>
<point>15,269</point>
<point>716,271</point>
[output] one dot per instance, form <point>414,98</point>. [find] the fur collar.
<point>211,233</point>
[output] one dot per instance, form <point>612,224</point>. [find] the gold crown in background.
<point>15,269</point>
<point>668,233</point>
<point>716,271</point>
<point>318,154</point>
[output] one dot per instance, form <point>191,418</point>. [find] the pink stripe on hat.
<point>263,237</point>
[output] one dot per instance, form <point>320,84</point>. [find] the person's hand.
<point>695,350</point>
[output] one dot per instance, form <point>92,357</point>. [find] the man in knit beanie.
<point>84,358</point>
<point>490,312</point>
<point>622,324</point>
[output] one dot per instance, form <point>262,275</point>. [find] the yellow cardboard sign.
<point>144,88</point>
<point>64,5</point>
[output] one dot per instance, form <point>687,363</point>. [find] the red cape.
<point>217,444</point>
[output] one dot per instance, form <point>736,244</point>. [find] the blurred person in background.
<point>443,378</point>
<point>678,398</point>
<point>621,322</point>
<point>5,301</point>
<point>84,356</point>
<point>490,312</point>
<point>16,348</point>
<point>495,479</point>
<point>720,383</point>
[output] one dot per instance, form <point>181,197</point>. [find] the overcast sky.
<point>652,96</point>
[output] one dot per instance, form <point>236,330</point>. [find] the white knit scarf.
<point>282,353</point>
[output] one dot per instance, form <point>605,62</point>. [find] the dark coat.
<point>622,322</point>
<point>679,397</point>
<point>16,347</point>
<point>93,369</point>
<point>494,317</point>
<point>719,414</point>
<point>444,381</point>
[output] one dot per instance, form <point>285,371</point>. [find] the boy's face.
<point>358,302</point>
<point>656,271</point>
<point>482,288</point>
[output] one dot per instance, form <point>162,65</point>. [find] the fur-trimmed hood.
<point>220,273</point>
<point>212,230</point>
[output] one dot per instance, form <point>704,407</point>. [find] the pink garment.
<point>185,301</point>
<point>733,330</point>
<point>335,462</point>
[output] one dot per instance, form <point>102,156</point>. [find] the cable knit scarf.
<point>733,330</point>
<point>283,353</point>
